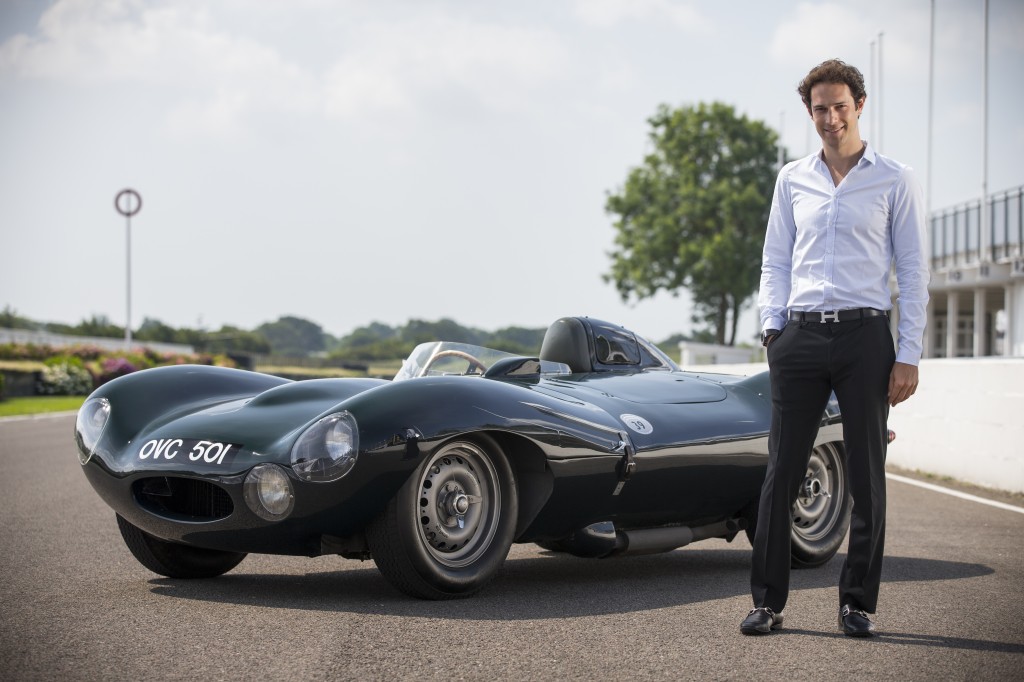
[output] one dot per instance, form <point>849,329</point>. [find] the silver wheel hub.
<point>818,502</point>
<point>459,502</point>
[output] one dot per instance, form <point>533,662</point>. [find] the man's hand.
<point>902,382</point>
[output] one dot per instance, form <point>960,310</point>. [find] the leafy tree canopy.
<point>693,214</point>
<point>10,319</point>
<point>293,336</point>
<point>376,341</point>
<point>97,325</point>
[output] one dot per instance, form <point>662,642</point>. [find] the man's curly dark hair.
<point>833,71</point>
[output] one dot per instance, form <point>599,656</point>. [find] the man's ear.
<point>860,104</point>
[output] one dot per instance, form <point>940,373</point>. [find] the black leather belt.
<point>835,315</point>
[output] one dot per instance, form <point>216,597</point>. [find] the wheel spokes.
<point>459,501</point>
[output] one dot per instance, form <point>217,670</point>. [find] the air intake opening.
<point>182,499</point>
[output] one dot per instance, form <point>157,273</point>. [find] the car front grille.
<point>183,499</point>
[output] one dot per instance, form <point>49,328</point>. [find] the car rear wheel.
<point>451,525</point>
<point>173,560</point>
<point>821,513</point>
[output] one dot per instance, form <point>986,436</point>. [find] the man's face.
<point>835,116</point>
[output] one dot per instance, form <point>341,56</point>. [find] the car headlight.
<point>92,418</point>
<point>268,492</point>
<point>327,450</point>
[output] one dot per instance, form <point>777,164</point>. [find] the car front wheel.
<point>451,525</point>
<point>173,560</point>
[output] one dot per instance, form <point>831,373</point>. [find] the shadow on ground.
<point>547,585</point>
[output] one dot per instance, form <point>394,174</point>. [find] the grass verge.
<point>11,407</point>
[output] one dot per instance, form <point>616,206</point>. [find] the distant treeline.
<point>297,337</point>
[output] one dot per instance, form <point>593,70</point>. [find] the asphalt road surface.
<point>74,604</point>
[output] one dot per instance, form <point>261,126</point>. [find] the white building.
<point>977,286</point>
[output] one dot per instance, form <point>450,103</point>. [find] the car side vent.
<point>182,499</point>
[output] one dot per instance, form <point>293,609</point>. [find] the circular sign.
<point>638,424</point>
<point>128,202</point>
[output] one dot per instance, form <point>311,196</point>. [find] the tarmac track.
<point>75,605</point>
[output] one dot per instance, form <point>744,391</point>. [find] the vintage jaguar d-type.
<point>600,446</point>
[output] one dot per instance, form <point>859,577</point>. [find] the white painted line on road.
<point>954,493</point>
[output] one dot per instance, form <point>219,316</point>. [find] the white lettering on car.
<point>210,452</point>
<point>162,446</point>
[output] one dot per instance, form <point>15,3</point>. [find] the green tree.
<point>152,329</point>
<point>10,319</point>
<point>521,340</point>
<point>293,336</point>
<point>381,349</point>
<point>368,335</point>
<point>421,331</point>
<point>693,215</point>
<point>98,325</point>
<point>230,339</point>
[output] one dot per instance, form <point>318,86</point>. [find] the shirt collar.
<point>868,155</point>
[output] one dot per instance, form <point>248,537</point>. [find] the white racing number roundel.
<point>635,423</point>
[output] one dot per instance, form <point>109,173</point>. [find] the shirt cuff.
<point>908,357</point>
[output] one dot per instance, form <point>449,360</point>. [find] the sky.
<point>353,161</point>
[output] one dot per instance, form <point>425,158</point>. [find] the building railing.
<point>956,231</point>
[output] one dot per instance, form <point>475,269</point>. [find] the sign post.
<point>128,202</point>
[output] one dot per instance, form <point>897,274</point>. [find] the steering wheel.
<point>473,361</point>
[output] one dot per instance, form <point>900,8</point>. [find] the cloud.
<point>607,13</point>
<point>210,79</point>
<point>215,77</point>
<point>816,32</point>
<point>391,66</point>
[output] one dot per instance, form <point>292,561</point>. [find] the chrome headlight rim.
<point>268,492</point>
<point>327,450</point>
<point>90,425</point>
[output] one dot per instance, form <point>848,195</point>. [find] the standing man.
<point>839,220</point>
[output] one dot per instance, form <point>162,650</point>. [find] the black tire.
<point>821,513</point>
<point>173,560</point>
<point>418,543</point>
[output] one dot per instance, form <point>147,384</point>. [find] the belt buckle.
<point>832,316</point>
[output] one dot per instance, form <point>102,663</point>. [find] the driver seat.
<point>566,341</point>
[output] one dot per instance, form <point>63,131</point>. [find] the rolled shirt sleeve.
<point>910,254</point>
<point>777,258</point>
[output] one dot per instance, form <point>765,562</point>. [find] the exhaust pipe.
<point>656,540</point>
<point>602,540</point>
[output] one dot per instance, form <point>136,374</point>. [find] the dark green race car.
<point>600,446</point>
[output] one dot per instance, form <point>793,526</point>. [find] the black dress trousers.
<point>807,362</point>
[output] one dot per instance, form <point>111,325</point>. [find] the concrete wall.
<point>966,420</point>
<point>693,353</point>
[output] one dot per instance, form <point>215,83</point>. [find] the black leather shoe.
<point>855,623</point>
<point>761,621</point>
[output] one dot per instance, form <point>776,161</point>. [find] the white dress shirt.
<point>830,247</point>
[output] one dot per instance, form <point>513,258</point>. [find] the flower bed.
<point>77,370</point>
